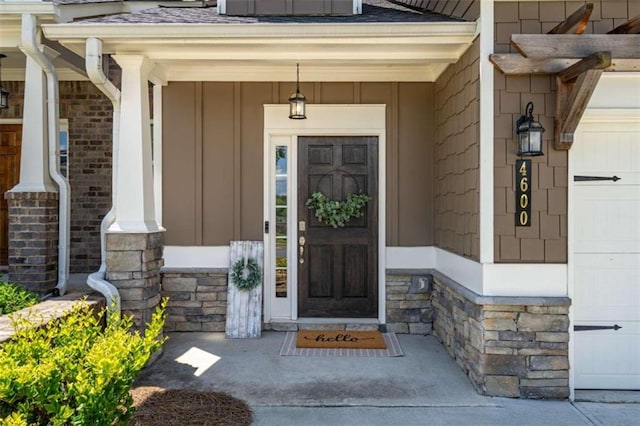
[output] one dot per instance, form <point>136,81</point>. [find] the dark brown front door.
<point>10,137</point>
<point>338,271</point>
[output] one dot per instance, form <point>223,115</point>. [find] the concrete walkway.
<point>425,387</point>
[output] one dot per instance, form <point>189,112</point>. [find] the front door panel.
<point>337,269</point>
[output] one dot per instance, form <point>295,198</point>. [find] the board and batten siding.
<point>213,156</point>
<point>546,239</point>
<point>289,7</point>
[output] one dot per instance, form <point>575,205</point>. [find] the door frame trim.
<point>324,120</point>
<point>591,116</point>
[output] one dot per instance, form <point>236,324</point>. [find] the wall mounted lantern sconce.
<point>297,101</point>
<point>529,134</point>
<point>4,95</point>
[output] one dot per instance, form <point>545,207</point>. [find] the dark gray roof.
<point>373,11</point>
<point>81,1</point>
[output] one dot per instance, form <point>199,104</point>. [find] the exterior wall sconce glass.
<point>297,101</point>
<point>4,95</point>
<point>529,134</point>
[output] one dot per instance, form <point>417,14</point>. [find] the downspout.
<point>30,48</point>
<point>97,280</point>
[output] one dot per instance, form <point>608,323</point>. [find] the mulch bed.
<point>158,407</point>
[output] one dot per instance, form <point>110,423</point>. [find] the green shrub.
<point>14,297</point>
<point>72,371</point>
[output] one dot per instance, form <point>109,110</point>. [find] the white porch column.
<point>133,197</point>
<point>34,160</point>
<point>157,149</point>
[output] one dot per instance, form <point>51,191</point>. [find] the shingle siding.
<point>456,156</point>
<point>546,239</point>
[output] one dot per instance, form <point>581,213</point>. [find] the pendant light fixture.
<point>297,101</point>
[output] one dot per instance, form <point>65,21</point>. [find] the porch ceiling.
<point>268,52</point>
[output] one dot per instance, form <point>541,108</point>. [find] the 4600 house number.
<point>523,193</point>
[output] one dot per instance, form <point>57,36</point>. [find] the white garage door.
<point>606,252</point>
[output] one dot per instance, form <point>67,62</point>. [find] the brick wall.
<point>90,115</point>
<point>507,346</point>
<point>33,232</point>
<point>546,239</point>
<point>16,94</point>
<point>90,134</point>
<point>456,156</point>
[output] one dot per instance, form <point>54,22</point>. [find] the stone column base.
<point>133,267</point>
<point>33,239</point>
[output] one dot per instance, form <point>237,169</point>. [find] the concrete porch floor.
<point>423,387</point>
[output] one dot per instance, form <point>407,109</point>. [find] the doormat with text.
<point>392,348</point>
<point>340,339</point>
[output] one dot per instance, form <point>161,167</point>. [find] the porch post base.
<point>33,240</point>
<point>133,267</point>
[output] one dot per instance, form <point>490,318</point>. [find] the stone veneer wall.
<point>197,299</point>
<point>33,232</point>
<point>198,302</point>
<point>133,267</point>
<point>50,310</point>
<point>409,308</point>
<point>508,346</point>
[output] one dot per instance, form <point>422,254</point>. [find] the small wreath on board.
<point>246,274</point>
<point>337,213</point>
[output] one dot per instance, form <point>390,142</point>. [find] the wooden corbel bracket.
<point>575,85</point>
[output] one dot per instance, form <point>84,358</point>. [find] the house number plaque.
<point>523,193</point>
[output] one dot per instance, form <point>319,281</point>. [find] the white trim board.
<point>411,257</point>
<point>324,120</point>
<point>619,90</point>
<point>196,256</point>
<point>487,70</point>
<point>494,279</point>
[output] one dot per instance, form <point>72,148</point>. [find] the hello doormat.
<point>393,349</point>
<point>340,339</point>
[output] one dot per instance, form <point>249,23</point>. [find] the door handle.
<point>301,241</point>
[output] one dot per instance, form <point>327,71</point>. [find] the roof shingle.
<point>373,11</point>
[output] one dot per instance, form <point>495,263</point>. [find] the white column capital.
<point>135,62</point>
